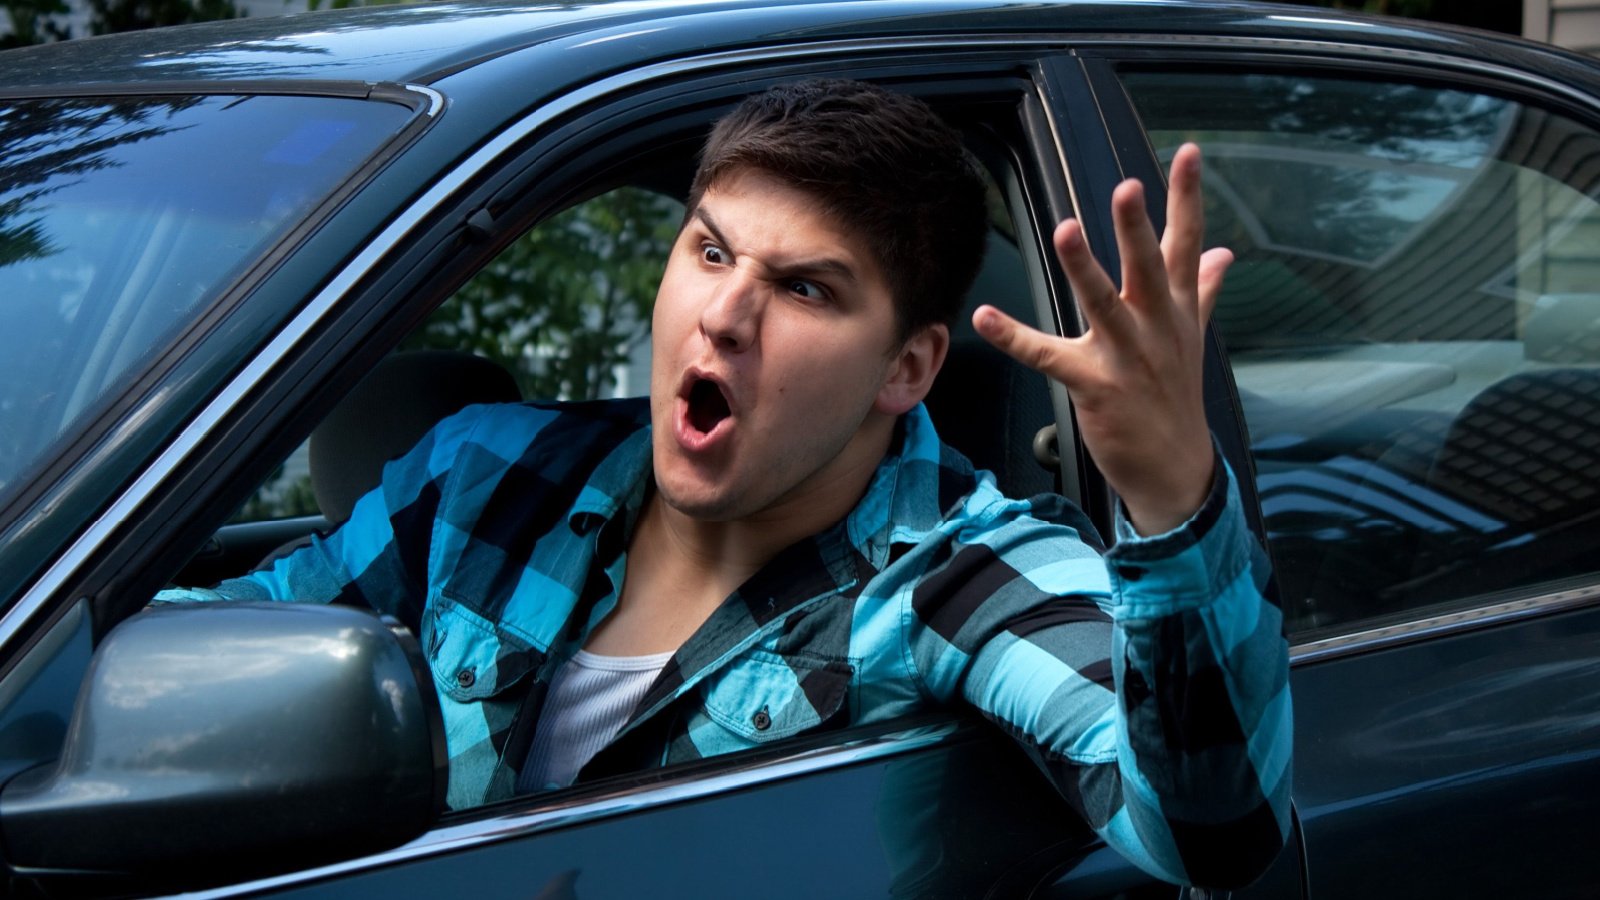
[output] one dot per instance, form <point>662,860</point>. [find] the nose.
<point>732,318</point>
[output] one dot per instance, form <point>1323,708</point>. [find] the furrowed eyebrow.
<point>711,226</point>
<point>822,267</point>
<point>811,267</point>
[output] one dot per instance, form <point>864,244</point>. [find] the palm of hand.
<point>1135,376</point>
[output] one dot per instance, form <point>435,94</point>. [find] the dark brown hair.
<point>885,165</point>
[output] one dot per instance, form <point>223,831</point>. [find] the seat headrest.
<point>984,403</point>
<point>988,406</point>
<point>1527,447</point>
<point>388,412</point>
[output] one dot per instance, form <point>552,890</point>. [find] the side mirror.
<point>218,742</point>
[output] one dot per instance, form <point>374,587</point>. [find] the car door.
<point>1410,326</point>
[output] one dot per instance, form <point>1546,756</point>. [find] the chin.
<point>705,502</point>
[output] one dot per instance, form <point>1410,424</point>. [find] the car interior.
<point>437,372</point>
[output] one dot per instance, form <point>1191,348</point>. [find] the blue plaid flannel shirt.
<point>1151,684</point>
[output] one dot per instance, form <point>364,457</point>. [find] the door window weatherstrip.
<point>1443,624</point>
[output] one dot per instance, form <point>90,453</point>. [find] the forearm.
<point>368,561</point>
<point>1151,686</point>
<point>311,574</point>
<point>1201,669</point>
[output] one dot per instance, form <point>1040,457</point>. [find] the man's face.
<point>773,338</point>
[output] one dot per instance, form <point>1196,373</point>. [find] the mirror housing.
<point>217,742</point>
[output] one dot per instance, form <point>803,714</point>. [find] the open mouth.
<point>707,406</point>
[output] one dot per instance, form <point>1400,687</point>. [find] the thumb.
<point>1056,357</point>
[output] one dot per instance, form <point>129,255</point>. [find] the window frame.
<point>420,259</point>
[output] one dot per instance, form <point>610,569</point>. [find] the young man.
<point>777,542</point>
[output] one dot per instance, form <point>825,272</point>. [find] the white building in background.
<point>1574,24</point>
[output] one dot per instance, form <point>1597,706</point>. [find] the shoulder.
<point>975,508</point>
<point>512,429</point>
<point>1027,537</point>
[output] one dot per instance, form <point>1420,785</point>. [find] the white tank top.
<point>589,701</point>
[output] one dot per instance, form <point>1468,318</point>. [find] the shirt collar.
<point>915,485</point>
<point>617,484</point>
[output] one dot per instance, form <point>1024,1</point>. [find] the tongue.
<point>707,406</point>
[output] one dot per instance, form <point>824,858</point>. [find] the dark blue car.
<point>241,264</point>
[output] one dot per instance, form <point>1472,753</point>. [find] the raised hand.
<point>1135,376</point>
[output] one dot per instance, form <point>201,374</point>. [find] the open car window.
<point>563,311</point>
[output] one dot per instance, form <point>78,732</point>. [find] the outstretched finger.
<point>1056,357</point>
<point>1092,288</point>
<point>1214,264</point>
<point>1143,270</point>
<point>1181,239</point>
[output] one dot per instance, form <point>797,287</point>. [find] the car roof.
<point>423,43</point>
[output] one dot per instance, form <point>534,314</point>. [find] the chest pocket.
<point>762,696</point>
<point>470,659</point>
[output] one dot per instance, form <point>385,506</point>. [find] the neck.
<point>731,551</point>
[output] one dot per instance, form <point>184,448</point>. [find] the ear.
<point>911,371</point>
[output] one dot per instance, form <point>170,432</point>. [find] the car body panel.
<point>1412,745</point>
<point>1488,740</point>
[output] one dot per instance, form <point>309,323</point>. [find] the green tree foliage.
<point>112,16</point>
<point>34,22</point>
<point>41,22</point>
<point>44,21</point>
<point>280,497</point>
<point>570,300</point>
<point>561,308</point>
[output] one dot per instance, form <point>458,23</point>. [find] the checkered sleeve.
<point>1151,685</point>
<point>379,557</point>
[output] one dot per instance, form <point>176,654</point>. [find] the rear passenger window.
<point>1413,323</point>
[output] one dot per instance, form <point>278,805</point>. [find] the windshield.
<point>122,219</point>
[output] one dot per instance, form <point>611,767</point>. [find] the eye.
<point>713,254</point>
<point>810,290</point>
